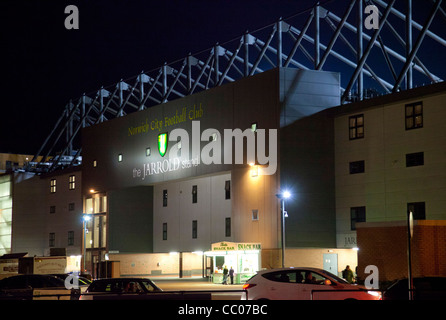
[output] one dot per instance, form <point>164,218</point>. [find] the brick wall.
<point>384,244</point>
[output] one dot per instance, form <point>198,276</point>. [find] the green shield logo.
<point>162,143</point>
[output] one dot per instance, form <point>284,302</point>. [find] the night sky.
<point>44,65</point>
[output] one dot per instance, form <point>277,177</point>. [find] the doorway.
<point>331,263</point>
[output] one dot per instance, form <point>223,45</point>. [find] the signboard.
<point>235,246</point>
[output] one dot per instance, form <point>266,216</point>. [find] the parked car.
<point>34,286</point>
<point>425,288</point>
<point>119,288</point>
<point>304,284</point>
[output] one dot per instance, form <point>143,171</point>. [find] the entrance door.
<point>331,263</point>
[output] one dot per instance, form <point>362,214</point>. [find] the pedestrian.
<point>225,275</point>
<point>231,275</point>
<point>347,274</point>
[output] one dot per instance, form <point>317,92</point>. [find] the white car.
<point>304,284</point>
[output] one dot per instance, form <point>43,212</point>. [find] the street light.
<point>283,196</point>
<point>85,219</point>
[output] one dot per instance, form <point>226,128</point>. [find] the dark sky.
<point>44,65</point>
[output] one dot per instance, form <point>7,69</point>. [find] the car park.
<point>119,288</point>
<point>424,288</point>
<point>35,287</point>
<point>304,284</point>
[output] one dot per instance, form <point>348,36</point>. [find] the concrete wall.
<point>387,185</point>
<point>164,265</point>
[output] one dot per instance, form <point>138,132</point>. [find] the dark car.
<point>426,288</point>
<point>119,288</point>
<point>33,286</point>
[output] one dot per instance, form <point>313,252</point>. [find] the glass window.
<point>52,209</point>
<point>52,239</point>
<point>227,227</point>
<point>72,182</point>
<point>120,157</point>
<point>414,159</point>
<point>53,185</point>
<point>194,229</point>
<point>228,189</point>
<point>357,167</point>
<point>255,214</point>
<point>70,238</point>
<point>164,198</point>
<point>414,115</point>
<point>356,127</point>
<point>164,231</point>
<point>194,194</point>
<point>418,210</point>
<point>357,214</point>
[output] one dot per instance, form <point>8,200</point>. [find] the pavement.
<point>218,291</point>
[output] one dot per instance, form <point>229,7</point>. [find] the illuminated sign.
<point>162,143</point>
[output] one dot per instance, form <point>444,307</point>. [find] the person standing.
<point>347,274</point>
<point>225,275</point>
<point>231,275</point>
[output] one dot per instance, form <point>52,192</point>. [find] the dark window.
<point>414,115</point>
<point>52,209</point>
<point>414,159</point>
<point>227,227</point>
<point>194,194</point>
<point>71,206</point>
<point>356,127</point>
<point>228,189</point>
<point>52,239</point>
<point>418,210</point>
<point>165,231</point>
<point>164,198</point>
<point>357,214</point>
<point>70,238</point>
<point>255,214</point>
<point>357,167</point>
<point>194,229</point>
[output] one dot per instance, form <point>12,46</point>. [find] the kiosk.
<point>244,258</point>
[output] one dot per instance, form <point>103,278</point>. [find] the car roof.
<point>291,269</point>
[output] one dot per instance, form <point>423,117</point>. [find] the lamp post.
<point>85,219</point>
<point>283,196</point>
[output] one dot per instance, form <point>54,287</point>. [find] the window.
<point>254,127</point>
<point>164,198</point>
<point>255,214</point>
<point>52,209</point>
<point>194,229</point>
<point>418,210</point>
<point>70,238</point>
<point>356,127</point>
<point>228,189</point>
<point>53,185</point>
<point>72,182</point>
<point>71,206</point>
<point>148,151</point>
<point>227,227</point>
<point>357,214</point>
<point>357,167</point>
<point>52,239</point>
<point>414,159</point>
<point>414,115</point>
<point>164,231</point>
<point>95,163</point>
<point>194,194</point>
<point>120,157</point>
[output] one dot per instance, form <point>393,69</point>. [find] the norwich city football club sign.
<point>162,143</point>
